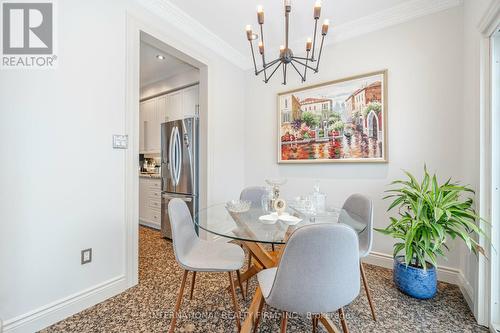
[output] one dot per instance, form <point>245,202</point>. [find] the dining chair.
<point>253,194</point>
<point>318,273</point>
<point>362,208</point>
<point>197,255</point>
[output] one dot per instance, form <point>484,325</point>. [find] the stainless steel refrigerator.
<point>179,167</point>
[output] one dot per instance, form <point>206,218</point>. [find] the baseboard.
<point>467,291</point>
<point>52,313</point>
<point>150,224</point>
<point>445,274</point>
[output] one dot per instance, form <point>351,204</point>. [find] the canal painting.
<point>338,121</point>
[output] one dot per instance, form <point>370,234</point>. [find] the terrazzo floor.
<point>147,307</point>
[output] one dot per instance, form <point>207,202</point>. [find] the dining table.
<point>257,229</point>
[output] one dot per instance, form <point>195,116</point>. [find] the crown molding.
<point>491,19</point>
<point>404,12</point>
<point>191,27</point>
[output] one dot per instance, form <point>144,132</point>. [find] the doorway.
<point>142,31</point>
<point>495,174</point>
<point>168,121</point>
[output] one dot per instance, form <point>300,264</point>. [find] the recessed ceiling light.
<point>160,57</point>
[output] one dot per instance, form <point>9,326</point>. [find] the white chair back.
<point>183,232</point>
<point>362,207</point>
<point>319,270</point>
<point>253,194</point>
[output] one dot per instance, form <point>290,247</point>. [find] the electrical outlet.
<point>86,256</point>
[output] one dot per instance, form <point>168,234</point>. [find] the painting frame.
<point>384,103</point>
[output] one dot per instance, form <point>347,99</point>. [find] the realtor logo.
<point>28,35</point>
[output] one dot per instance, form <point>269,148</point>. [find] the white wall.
<point>176,81</point>
<point>62,184</point>
<point>425,118</point>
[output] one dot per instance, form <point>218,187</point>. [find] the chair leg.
<point>343,322</point>
<point>259,315</point>
<point>315,323</point>
<point>235,302</point>
<point>367,289</point>
<point>192,286</point>
<point>284,321</point>
<point>272,246</point>
<point>240,284</point>
<point>179,301</point>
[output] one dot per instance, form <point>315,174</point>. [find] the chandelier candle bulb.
<point>248,29</point>
<point>308,44</point>
<point>282,50</point>
<point>260,15</point>
<point>261,48</point>
<point>324,29</point>
<point>317,10</point>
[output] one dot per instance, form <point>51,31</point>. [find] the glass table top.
<point>247,226</point>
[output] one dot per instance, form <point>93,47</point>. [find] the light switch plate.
<point>120,141</point>
<point>86,256</point>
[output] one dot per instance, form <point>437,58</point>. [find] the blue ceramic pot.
<point>414,281</point>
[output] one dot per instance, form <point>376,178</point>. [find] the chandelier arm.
<point>268,65</point>
<point>264,66</point>
<point>314,38</point>
<point>305,67</point>
<point>274,71</point>
<point>253,58</point>
<point>300,62</point>
<point>303,58</point>
<point>284,73</point>
<point>320,50</point>
<point>263,50</point>
<point>296,69</point>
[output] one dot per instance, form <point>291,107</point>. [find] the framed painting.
<point>338,121</point>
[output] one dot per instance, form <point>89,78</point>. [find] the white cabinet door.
<point>174,106</point>
<point>154,130</point>
<point>162,109</point>
<point>144,211</point>
<point>190,101</point>
<point>148,120</point>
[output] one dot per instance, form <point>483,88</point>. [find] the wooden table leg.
<point>252,312</point>
<point>263,259</point>
<point>328,324</point>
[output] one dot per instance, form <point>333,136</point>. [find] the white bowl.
<point>238,206</point>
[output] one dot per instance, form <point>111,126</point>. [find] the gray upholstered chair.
<point>198,255</point>
<point>253,194</point>
<point>362,209</point>
<point>318,272</point>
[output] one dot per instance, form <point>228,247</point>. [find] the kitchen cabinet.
<point>155,111</point>
<point>150,202</point>
<point>190,102</point>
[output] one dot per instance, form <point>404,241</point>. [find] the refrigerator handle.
<point>186,199</point>
<point>171,163</point>
<point>178,166</point>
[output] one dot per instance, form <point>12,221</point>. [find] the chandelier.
<point>286,57</point>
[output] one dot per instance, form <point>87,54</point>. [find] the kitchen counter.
<point>149,175</point>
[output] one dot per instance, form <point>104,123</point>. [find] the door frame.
<point>150,30</point>
<point>483,297</point>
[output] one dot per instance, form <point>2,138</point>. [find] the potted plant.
<point>428,215</point>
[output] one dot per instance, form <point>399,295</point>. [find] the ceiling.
<point>154,69</point>
<point>227,18</point>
